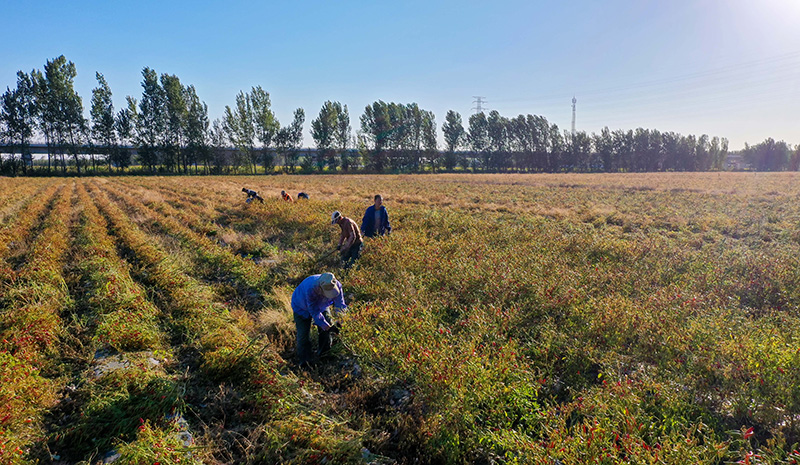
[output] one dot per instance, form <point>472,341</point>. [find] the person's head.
<point>327,284</point>
<point>244,189</point>
<point>336,217</point>
<point>378,201</point>
<point>283,193</point>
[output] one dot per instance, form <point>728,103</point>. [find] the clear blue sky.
<point>729,68</point>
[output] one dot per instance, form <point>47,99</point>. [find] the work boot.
<point>306,366</point>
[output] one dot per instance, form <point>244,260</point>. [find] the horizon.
<point>727,69</point>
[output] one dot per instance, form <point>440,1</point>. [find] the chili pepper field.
<point>543,318</point>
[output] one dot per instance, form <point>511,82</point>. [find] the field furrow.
<point>252,278</point>
<point>17,197</point>
<point>18,229</point>
<point>209,222</point>
<point>129,397</point>
<point>30,327</point>
<point>264,393</point>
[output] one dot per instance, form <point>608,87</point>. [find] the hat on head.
<point>335,216</point>
<point>327,282</point>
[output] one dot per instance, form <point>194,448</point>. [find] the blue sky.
<point>728,68</point>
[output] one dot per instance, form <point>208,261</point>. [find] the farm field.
<point>554,319</point>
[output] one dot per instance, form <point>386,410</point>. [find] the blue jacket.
<point>368,223</point>
<point>309,302</point>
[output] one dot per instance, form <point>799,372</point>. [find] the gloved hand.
<point>339,247</point>
<point>335,328</point>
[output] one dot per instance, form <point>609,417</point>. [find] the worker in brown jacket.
<point>350,241</point>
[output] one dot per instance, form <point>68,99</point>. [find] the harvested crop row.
<point>228,355</point>
<point>33,302</point>
<point>191,197</point>
<point>17,196</point>
<point>193,306</point>
<point>215,199</point>
<point>127,400</point>
<point>244,271</point>
<point>28,332</point>
<point>296,235</point>
<point>125,319</point>
<point>163,200</point>
<point>207,220</point>
<point>20,228</point>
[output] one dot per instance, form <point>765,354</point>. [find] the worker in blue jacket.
<point>376,219</point>
<point>310,302</point>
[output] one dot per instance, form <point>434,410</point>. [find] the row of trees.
<point>169,128</point>
<point>772,156</point>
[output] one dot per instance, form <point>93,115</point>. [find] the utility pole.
<point>574,101</point>
<point>479,101</point>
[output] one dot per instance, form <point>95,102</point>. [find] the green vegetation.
<point>568,319</point>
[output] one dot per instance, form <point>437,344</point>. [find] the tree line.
<point>169,127</point>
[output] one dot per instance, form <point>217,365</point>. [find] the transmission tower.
<point>574,101</point>
<point>479,101</point>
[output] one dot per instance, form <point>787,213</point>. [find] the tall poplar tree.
<point>197,146</point>
<point>60,109</point>
<point>323,131</point>
<point>176,112</point>
<point>342,137</point>
<point>479,137</point>
<point>17,112</point>
<point>265,124</point>
<point>454,136</point>
<point>151,120</point>
<point>238,125</point>
<point>103,120</point>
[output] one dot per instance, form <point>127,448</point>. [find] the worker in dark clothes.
<point>251,194</point>
<point>376,220</point>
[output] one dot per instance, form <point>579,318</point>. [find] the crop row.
<point>176,223</point>
<point>16,196</point>
<point>199,318</point>
<point>292,236</point>
<point>686,297</point>
<point>229,354</point>
<point>126,393</point>
<point>32,307</point>
<point>18,229</point>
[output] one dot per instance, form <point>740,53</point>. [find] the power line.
<point>733,73</point>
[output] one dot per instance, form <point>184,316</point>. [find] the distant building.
<point>735,162</point>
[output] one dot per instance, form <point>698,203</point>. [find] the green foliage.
<point>511,319</point>
<point>288,140</point>
<point>397,135</point>
<point>151,119</point>
<point>24,395</point>
<point>323,130</point>
<point>116,402</point>
<point>103,118</point>
<point>17,113</point>
<point>156,445</point>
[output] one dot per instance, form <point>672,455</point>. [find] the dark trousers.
<point>303,326</point>
<point>350,255</point>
